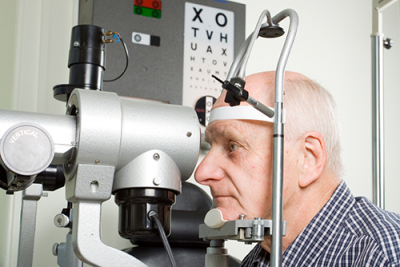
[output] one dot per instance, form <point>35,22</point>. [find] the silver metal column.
<point>378,153</point>
<point>30,197</point>
<point>277,188</point>
<point>378,146</point>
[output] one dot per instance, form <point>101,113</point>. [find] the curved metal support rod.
<point>280,70</point>
<point>243,55</point>
<point>277,183</point>
<point>233,71</point>
<point>254,36</point>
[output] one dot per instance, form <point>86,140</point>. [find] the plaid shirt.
<point>347,231</point>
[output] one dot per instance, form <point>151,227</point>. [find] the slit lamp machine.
<point>106,144</point>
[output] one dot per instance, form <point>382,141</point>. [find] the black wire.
<point>127,62</point>
<point>153,216</point>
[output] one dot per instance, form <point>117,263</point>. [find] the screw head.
<point>388,43</point>
<point>61,220</point>
<point>76,43</point>
<point>157,181</point>
<point>156,156</point>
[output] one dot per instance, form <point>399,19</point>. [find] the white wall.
<point>332,47</point>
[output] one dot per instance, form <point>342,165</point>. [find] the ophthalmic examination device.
<point>139,151</point>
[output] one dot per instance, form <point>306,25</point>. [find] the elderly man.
<point>326,225</point>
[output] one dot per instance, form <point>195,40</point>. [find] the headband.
<point>240,113</point>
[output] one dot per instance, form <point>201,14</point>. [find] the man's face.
<point>238,168</point>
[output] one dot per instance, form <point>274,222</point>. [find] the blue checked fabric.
<point>347,231</point>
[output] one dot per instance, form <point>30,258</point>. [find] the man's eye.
<point>233,146</point>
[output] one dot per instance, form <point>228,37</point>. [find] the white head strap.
<point>240,113</point>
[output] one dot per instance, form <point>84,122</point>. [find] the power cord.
<point>116,39</point>
<point>154,217</point>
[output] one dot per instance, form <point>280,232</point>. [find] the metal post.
<point>30,197</point>
<point>277,176</point>
<point>277,189</point>
<point>378,163</point>
<point>378,146</point>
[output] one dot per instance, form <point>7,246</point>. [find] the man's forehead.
<point>225,128</point>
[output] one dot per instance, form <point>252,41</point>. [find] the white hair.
<point>309,107</point>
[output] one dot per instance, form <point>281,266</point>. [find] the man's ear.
<point>313,151</point>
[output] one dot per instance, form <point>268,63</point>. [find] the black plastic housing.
<point>134,207</point>
<point>86,61</point>
<point>52,178</point>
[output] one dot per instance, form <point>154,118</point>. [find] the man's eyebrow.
<point>227,132</point>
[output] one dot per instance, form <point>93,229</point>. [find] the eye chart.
<point>208,49</point>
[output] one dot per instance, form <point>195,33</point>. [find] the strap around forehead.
<point>239,113</point>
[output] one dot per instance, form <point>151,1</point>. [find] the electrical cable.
<point>154,217</point>
<point>118,38</point>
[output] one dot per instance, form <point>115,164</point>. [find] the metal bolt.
<point>157,180</point>
<point>76,43</point>
<point>388,43</point>
<point>258,229</point>
<point>156,156</point>
<point>55,249</point>
<point>241,216</point>
<point>97,161</point>
<point>189,134</point>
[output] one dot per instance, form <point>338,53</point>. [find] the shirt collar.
<point>322,228</point>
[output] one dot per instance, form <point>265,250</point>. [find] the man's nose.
<point>209,170</point>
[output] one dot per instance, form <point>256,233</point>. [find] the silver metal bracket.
<point>247,231</point>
